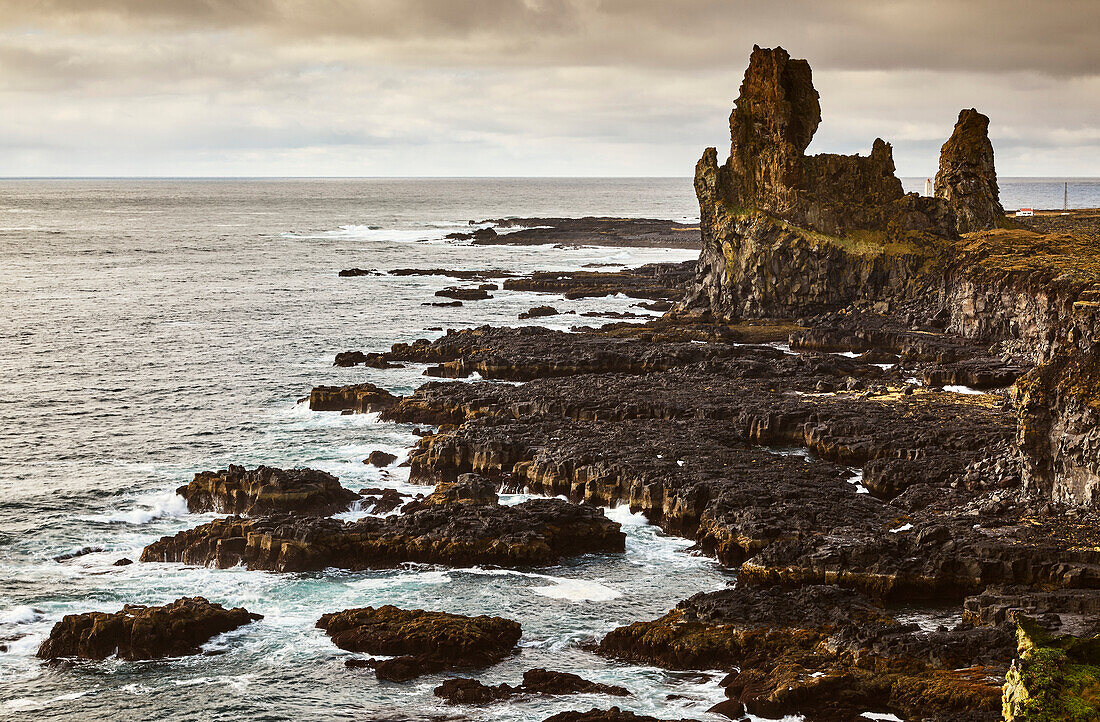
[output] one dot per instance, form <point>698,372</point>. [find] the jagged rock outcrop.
<point>266,490</point>
<point>140,632</point>
<point>967,179</point>
<point>535,533</point>
<point>421,642</point>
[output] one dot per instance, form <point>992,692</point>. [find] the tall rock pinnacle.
<point>967,179</point>
<point>772,123</point>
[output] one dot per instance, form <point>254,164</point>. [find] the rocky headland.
<point>859,399</point>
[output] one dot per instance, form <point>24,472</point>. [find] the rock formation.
<point>535,681</point>
<point>790,234</point>
<point>421,642</point>
<point>139,632</point>
<point>266,490</point>
<point>535,533</point>
<point>966,178</point>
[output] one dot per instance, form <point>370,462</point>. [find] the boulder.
<point>380,458</point>
<point>421,641</point>
<point>140,632</point>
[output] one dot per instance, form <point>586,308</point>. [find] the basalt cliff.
<point>795,236</point>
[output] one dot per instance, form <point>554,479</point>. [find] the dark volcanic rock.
<point>599,715</point>
<point>539,312</point>
<point>380,458</point>
<point>464,294</point>
<point>420,641</point>
<point>78,553</point>
<point>615,232</point>
<point>355,358</point>
<point>462,275</point>
<point>657,281</point>
<point>535,681</point>
<point>359,398</point>
<point>537,532</point>
<point>139,632</point>
<point>350,272</point>
<point>123,562</point>
<point>381,501</point>
<point>823,652</point>
<point>266,490</point>
<point>967,179</point>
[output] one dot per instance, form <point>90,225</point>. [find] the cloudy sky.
<point>524,87</point>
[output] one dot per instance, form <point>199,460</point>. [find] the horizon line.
<point>438,177</point>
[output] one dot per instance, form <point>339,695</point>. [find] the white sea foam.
<point>156,506</point>
<point>21,615</point>
<point>576,590</point>
<point>959,389</point>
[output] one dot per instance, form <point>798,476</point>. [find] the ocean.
<point>157,328</point>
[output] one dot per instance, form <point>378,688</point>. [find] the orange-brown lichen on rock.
<point>266,490</point>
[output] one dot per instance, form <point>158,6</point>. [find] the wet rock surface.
<point>421,642</point>
<point>535,681</point>
<point>451,530</point>
<point>140,632</point>
<point>610,715</point>
<point>266,490</point>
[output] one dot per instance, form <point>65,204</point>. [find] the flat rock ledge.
<point>461,690</point>
<point>266,490</point>
<point>140,632</point>
<point>539,532</point>
<point>420,642</point>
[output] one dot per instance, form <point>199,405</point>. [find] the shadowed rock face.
<point>421,642</point>
<point>266,490</point>
<point>967,179</point>
<point>139,632</point>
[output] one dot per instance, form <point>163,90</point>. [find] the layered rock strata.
<point>266,490</point>
<point>534,533</point>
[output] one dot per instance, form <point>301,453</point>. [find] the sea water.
<point>153,329</point>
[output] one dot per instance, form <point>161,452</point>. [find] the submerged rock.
<point>535,681</point>
<point>535,533</point>
<point>140,632</point>
<point>419,641</point>
<point>266,490</point>
<point>610,715</point>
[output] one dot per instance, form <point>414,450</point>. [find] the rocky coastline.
<point>871,405</point>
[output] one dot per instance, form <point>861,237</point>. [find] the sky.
<point>524,87</point>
